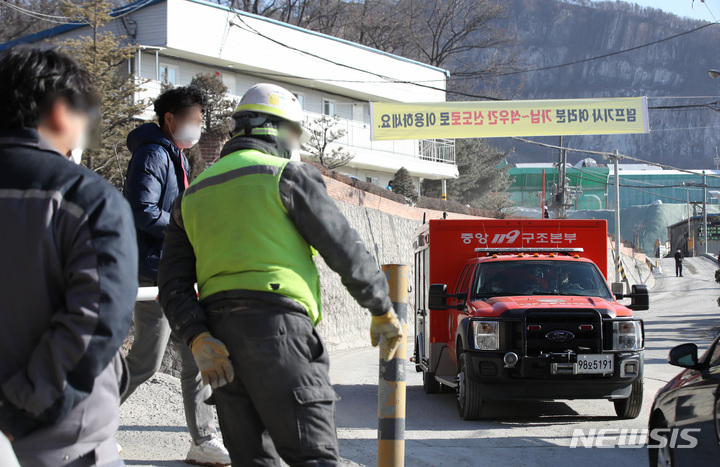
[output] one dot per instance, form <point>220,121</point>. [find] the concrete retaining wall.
<point>637,271</point>
<point>389,238</point>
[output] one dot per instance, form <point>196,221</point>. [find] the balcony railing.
<point>437,150</point>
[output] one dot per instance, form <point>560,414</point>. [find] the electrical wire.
<point>387,79</point>
<point>709,11</point>
<point>688,128</point>
<point>57,19</point>
<point>708,105</point>
<point>38,16</point>
<point>610,54</point>
<point>611,155</point>
<point>605,181</point>
<point>305,52</point>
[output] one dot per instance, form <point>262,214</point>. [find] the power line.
<point>57,19</point>
<point>39,16</point>
<point>598,57</point>
<point>611,155</point>
<point>591,176</point>
<point>708,9</point>
<point>709,105</point>
<point>688,128</point>
<point>253,30</point>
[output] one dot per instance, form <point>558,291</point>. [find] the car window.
<point>465,285</point>
<point>461,281</point>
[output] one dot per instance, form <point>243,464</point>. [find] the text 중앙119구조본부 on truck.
<point>521,309</point>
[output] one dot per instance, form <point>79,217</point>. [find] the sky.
<point>688,8</point>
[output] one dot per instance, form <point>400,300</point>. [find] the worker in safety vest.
<point>246,231</point>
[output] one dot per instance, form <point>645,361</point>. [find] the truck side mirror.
<point>684,355</point>
<point>640,298</point>
<point>437,297</point>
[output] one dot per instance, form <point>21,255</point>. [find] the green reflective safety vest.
<point>242,235</point>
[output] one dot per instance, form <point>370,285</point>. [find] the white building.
<point>179,39</point>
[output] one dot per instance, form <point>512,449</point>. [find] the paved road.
<point>528,433</point>
<point>513,434</point>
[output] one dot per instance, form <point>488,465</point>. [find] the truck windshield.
<point>533,277</point>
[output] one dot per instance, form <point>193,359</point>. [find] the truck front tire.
<point>469,401</point>
<point>630,407</point>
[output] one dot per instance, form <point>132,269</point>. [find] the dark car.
<point>685,412</point>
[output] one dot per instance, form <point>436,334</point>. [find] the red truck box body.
<point>453,242</point>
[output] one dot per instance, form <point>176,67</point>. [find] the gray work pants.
<point>152,332</point>
<point>281,401</point>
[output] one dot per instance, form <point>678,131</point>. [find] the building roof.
<point>63,28</point>
<point>710,216</point>
<point>140,4</point>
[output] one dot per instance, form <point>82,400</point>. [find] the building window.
<point>372,180</point>
<point>328,107</point>
<point>168,74</point>
<point>301,99</point>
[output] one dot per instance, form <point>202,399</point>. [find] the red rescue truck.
<point>521,309</point>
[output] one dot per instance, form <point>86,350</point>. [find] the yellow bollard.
<point>391,385</point>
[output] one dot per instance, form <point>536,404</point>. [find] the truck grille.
<point>539,325</point>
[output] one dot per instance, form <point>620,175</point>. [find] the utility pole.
<point>617,215</point>
<point>705,226</point>
<point>687,191</point>
<point>560,196</point>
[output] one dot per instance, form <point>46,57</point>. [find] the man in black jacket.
<point>67,270</point>
<point>156,175</point>
<point>678,263</point>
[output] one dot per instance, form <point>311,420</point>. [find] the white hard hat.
<point>269,99</point>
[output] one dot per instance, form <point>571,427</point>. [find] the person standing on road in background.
<point>67,269</point>
<point>678,263</point>
<point>157,174</point>
<point>246,230</point>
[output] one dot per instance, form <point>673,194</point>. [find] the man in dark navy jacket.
<point>67,270</point>
<point>156,175</point>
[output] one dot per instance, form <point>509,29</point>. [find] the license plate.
<point>589,363</point>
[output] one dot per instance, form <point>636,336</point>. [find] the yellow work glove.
<point>387,326</point>
<point>212,360</point>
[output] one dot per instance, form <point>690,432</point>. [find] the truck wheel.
<point>630,407</point>
<point>430,384</point>
<point>469,400</point>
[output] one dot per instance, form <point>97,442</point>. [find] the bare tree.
<point>452,34</point>
<point>324,132</point>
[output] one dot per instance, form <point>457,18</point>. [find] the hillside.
<point>551,32</point>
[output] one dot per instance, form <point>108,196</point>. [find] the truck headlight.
<point>627,335</point>
<point>487,335</point>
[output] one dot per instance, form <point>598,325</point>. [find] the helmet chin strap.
<point>251,125</point>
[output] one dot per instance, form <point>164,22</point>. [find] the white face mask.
<point>78,148</point>
<point>187,136</point>
<point>295,155</point>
